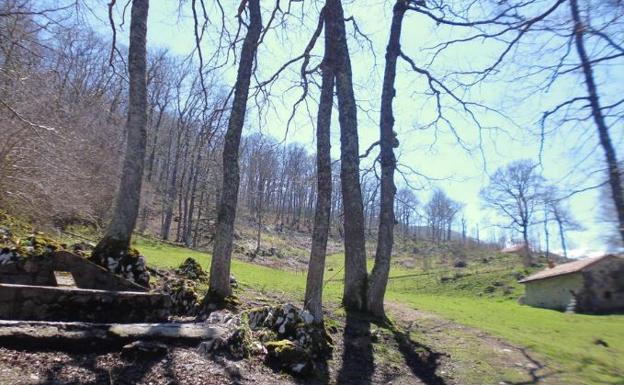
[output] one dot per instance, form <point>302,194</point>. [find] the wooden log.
<point>87,336</point>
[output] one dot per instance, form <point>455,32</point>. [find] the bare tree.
<point>222,252</point>
<point>387,142</point>
<point>320,233</point>
<point>557,210</point>
<point>354,296</point>
<point>116,240</point>
<point>440,211</point>
<point>551,33</point>
<point>515,192</point>
<point>598,113</point>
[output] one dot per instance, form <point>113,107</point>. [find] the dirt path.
<point>472,356</point>
<point>424,350</point>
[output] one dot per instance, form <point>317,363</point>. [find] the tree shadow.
<point>357,357</point>
<point>533,370</point>
<point>422,361</point>
<point>130,373</point>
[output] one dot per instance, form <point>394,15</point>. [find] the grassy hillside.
<point>570,341</point>
<point>482,294</point>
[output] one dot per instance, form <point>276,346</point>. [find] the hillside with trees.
<point>309,192</point>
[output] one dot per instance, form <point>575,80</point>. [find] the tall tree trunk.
<point>603,131</point>
<point>314,284</point>
<point>222,253</point>
<point>116,240</point>
<point>172,189</point>
<point>387,141</point>
<point>354,297</point>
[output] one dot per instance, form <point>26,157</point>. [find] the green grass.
<point>564,339</point>
<point>264,279</point>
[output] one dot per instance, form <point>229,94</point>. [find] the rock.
<point>460,264</point>
<point>233,281</point>
<point>517,275</point>
<point>289,356</point>
<point>233,371</point>
<point>8,256</point>
<point>224,318</point>
<point>144,349</point>
<point>234,340</point>
<point>191,269</point>
<point>601,342</point>
<point>184,298</point>
<point>130,265</point>
<point>82,249</point>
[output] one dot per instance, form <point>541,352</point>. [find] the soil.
<point>422,348</point>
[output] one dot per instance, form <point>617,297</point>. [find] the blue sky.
<point>433,152</point>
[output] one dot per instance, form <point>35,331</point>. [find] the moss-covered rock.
<point>184,298</point>
<point>292,340</point>
<point>191,269</point>
<point>289,356</point>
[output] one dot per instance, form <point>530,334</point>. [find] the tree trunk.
<point>526,253</point>
<point>116,240</point>
<point>561,234</point>
<point>172,189</point>
<point>354,297</point>
<point>222,253</point>
<point>314,284</point>
<point>387,141</point>
<point>603,131</point>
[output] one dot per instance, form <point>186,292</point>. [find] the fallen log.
<point>87,336</point>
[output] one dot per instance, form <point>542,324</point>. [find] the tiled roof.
<point>565,268</point>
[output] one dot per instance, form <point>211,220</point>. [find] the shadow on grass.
<point>358,363</point>
<point>533,370</point>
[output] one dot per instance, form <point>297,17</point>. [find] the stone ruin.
<point>62,286</point>
<point>284,335</point>
<point>50,296</point>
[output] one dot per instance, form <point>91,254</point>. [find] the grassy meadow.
<point>473,296</point>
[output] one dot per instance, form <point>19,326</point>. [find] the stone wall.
<point>42,303</point>
<point>39,270</point>
<point>553,293</point>
<point>604,286</point>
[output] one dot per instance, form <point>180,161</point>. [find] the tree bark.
<point>387,141</point>
<point>116,240</point>
<point>354,297</point>
<point>222,253</point>
<point>314,284</point>
<point>603,130</point>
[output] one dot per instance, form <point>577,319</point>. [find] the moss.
<point>191,269</point>
<point>213,302</point>
<point>280,346</point>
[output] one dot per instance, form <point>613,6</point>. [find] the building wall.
<point>604,286</point>
<point>553,293</point>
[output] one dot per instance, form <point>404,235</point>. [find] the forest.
<point>338,177</point>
